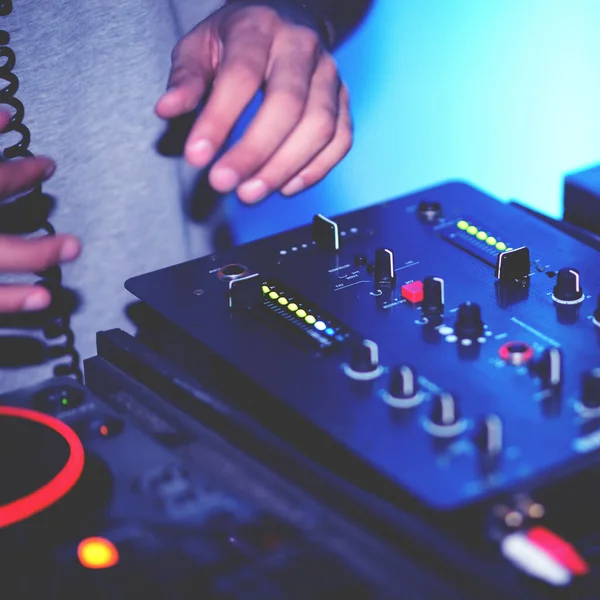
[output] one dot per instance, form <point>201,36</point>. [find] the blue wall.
<point>503,93</point>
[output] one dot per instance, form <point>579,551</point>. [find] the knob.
<point>512,264</point>
<point>246,292</point>
<point>403,382</point>
<point>596,315</point>
<point>429,211</point>
<point>403,391</point>
<point>385,276</point>
<point>364,362</point>
<point>433,296</point>
<point>468,321</point>
<point>568,287</point>
<point>325,233</point>
<point>549,368</point>
<point>489,438</point>
<point>590,392</point>
<point>445,419</point>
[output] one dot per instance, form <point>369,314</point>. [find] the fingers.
<point>331,155</point>
<point>23,173</point>
<point>17,298</point>
<point>315,131</point>
<point>287,90</point>
<point>240,76</point>
<point>19,255</point>
<point>190,76</point>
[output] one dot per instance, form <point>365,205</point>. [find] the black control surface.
<point>138,515</point>
<point>423,336</point>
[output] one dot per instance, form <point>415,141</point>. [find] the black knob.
<point>568,287</point>
<point>512,264</point>
<point>429,212</point>
<point>325,233</point>
<point>596,315</point>
<point>385,276</point>
<point>590,389</point>
<point>489,436</point>
<point>549,368</point>
<point>433,296</point>
<point>403,383</point>
<point>445,411</point>
<point>468,321</point>
<point>365,357</point>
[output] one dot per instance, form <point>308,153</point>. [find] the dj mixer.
<point>397,402</point>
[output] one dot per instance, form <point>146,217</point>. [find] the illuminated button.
<point>472,230</point>
<point>482,235</point>
<point>107,426</point>
<point>301,313</point>
<point>501,246</point>
<point>266,289</point>
<point>293,307</point>
<point>413,292</point>
<point>97,553</point>
<point>310,320</point>
<point>491,241</point>
<point>462,225</point>
<point>329,331</point>
<point>274,295</point>
<point>320,326</point>
<point>283,301</point>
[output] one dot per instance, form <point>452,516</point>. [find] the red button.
<point>413,292</point>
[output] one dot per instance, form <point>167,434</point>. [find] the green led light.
<point>310,319</point>
<point>293,307</point>
<point>491,241</point>
<point>266,289</point>
<point>273,295</point>
<point>481,235</point>
<point>64,401</point>
<point>462,225</point>
<point>472,230</point>
<point>501,246</point>
<point>301,313</point>
<point>283,301</point>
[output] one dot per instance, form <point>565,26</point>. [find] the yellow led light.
<point>482,235</point>
<point>462,225</point>
<point>97,553</point>
<point>266,289</point>
<point>301,313</point>
<point>293,307</point>
<point>310,320</point>
<point>283,301</point>
<point>491,241</point>
<point>501,246</point>
<point>274,295</point>
<point>472,230</point>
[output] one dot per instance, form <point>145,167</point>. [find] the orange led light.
<point>97,553</point>
<point>104,430</point>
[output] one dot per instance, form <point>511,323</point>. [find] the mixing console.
<point>427,338</point>
<point>397,402</point>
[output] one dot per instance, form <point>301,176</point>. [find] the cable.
<point>29,213</point>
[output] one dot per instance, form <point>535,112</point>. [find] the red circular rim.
<point>57,487</point>
<point>515,359</point>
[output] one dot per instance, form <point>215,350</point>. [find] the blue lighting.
<point>329,331</point>
<point>502,94</point>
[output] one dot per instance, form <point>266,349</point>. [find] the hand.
<point>19,255</point>
<point>303,128</point>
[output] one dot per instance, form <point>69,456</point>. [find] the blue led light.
<point>329,331</point>
<point>320,326</point>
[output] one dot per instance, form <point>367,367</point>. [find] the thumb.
<point>190,77</point>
